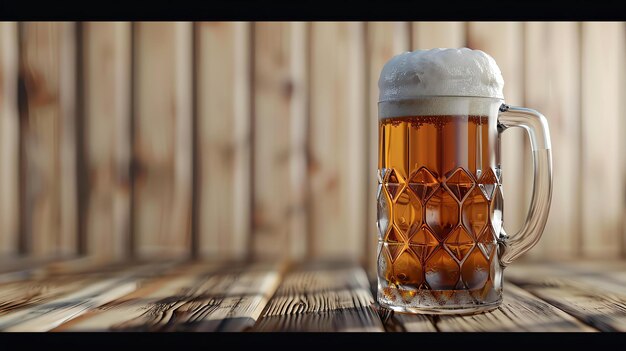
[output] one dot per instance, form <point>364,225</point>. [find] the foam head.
<point>439,72</point>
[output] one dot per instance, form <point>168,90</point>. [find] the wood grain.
<point>589,301</point>
<point>602,200</point>
<point>43,303</point>
<point>67,167</point>
<point>162,138</point>
<point>384,40</point>
<point>71,295</point>
<point>107,82</point>
<point>520,311</point>
<point>605,275</point>
<point>504,42</point>
<point>405,322</point>
<point>199,298</point>
<point>16,268</point>
<point>621,74</point>
<point>9,142</point>
<point>47,138</point>
<point>223,105</point>
<point>280,119</point>
<point>317,298</point>
<point>161,287</point>
<point>345,320</point>
<point>552,86</point>
<point>429,35</point>
<point>337,138</point>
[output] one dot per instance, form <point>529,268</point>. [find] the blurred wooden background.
<point>258,140</point>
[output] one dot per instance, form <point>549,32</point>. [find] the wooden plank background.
<point>602,59</point>
<point>107,139</point>
<point>552,86</point>
<point>162,138</point>
<point>47,139</point>
<point>9,137</point>
<point>223,139</point>
<point>257,140</point>
<point>337,138</point>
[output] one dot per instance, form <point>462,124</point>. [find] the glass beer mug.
<point>441,242</point>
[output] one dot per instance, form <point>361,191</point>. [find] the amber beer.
<point>441,242</point>
<point>439,210</point>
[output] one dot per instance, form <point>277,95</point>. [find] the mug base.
<point>443,310</point>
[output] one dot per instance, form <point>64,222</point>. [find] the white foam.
<point>407,77</point>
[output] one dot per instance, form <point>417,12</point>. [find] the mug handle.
<point>536,127</point>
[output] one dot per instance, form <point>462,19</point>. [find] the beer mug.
<point>442,246</point>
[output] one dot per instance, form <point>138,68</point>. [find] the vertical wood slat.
<point>223,83</point>
<point>47,138</point>
<point>338,172</point>
<point>504,42</point>
<point>602,61</point>
<point>107,82</point>
<point>162,138</point>
<point>622,97</point>
<point>67,137</point>
<point>9,133</point>
<point>552,86</point>
<point>384,40</point>
<point>279,140</point>
<point>429,35</point>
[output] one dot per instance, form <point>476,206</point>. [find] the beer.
<point>441,244</point>
<point>439,209</point>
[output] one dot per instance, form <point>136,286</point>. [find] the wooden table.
<point>76,295</point>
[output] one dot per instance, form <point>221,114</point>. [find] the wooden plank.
<point>520,311</point>
<point>67,168</point>
<point>599,266</point>
<point>162,140</point>
<point>44,317</point>
<point>42,304</point>
<point>279,180</point>
<point>223,112</point>
<point>621,74</point>
<point>429,35</point>
<point>504,42</point>
<point>345,320</point>
<point>602,57</point>
<point>28,267</point>
<point>320,298</point>
<point>338,165</point>
<point>47,138</point>
<point>406,322</point>
<point>608,276</point>
<point>107,84</point>
<point>24,267</point>
<point>384,40</point>
<point>9,144</point>
<point>552,86</point>
<point>201,298</point>
<point>20,267</point>
<point>169,284</point>
<point>590,301</point>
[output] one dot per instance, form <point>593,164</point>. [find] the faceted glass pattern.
<point>439,211</point>
<point>439,235</point>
